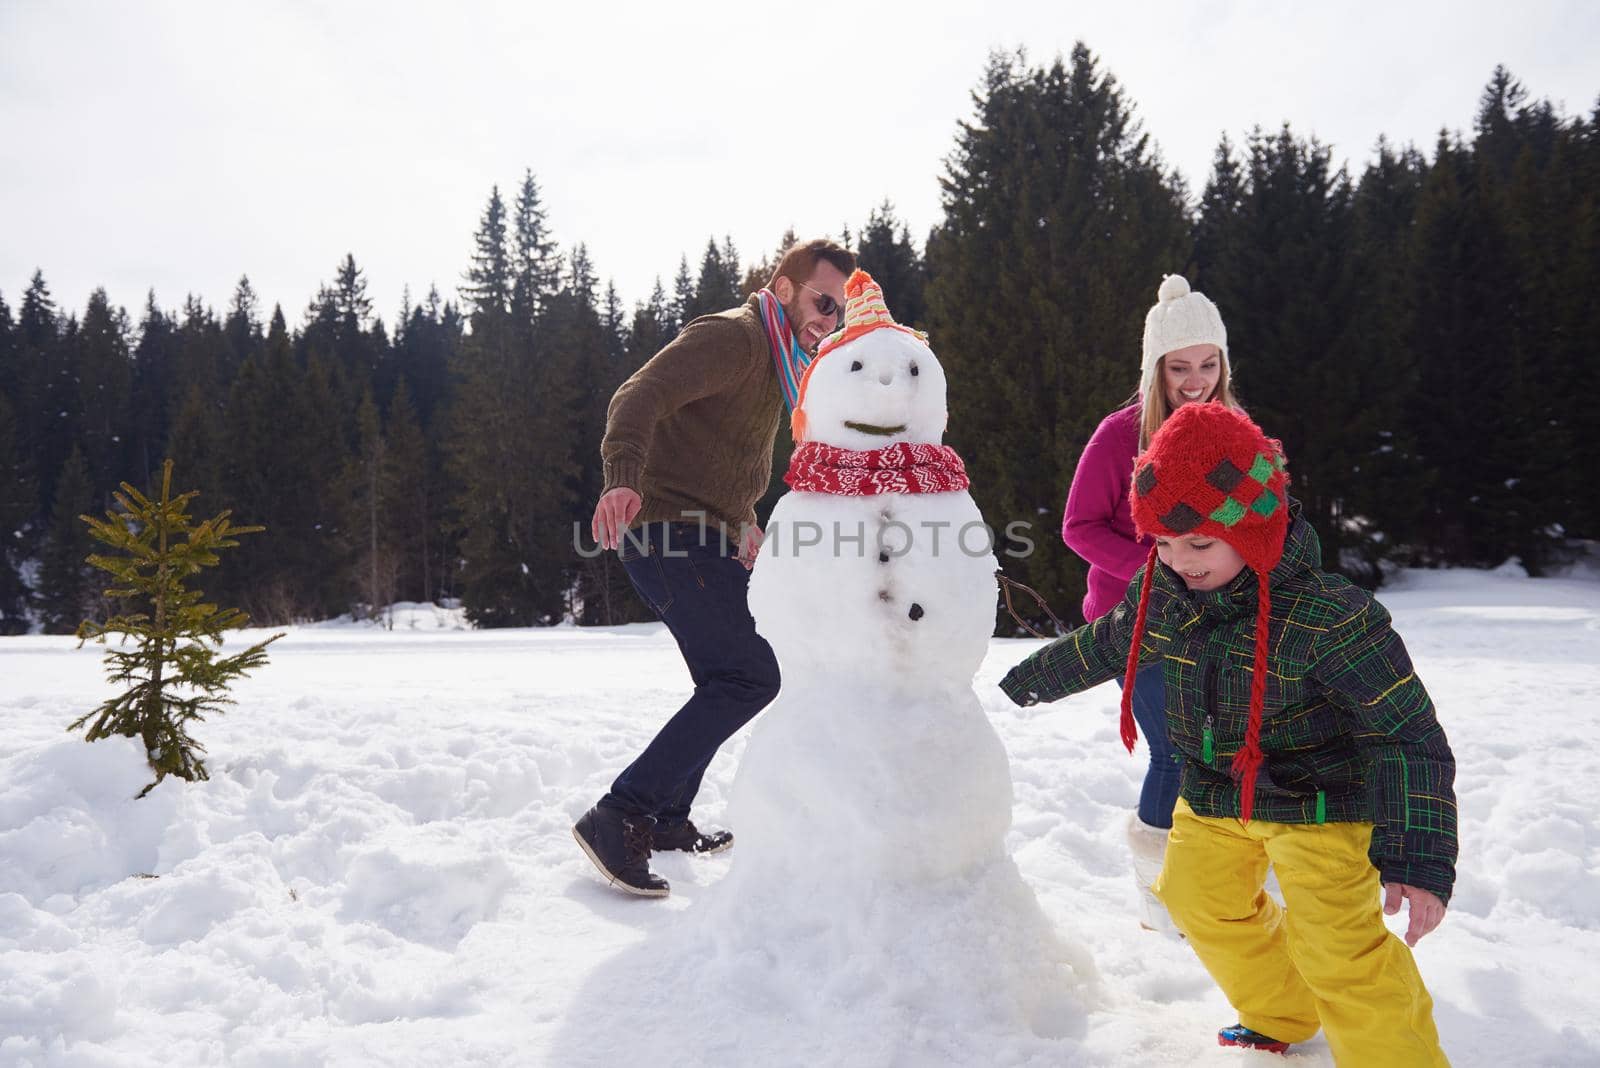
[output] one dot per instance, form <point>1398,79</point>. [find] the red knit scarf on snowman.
<point>903,467</point>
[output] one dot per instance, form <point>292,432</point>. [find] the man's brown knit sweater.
<point>692,431</point>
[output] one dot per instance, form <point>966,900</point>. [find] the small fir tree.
<point>174,673</point>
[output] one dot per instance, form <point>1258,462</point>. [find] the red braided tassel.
<point>1248,760</point>
<point>1130,728</point>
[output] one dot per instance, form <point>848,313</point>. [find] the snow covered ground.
<point>380,870</point>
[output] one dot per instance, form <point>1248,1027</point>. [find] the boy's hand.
<point>1016,688</point>
<point>1426,909</point>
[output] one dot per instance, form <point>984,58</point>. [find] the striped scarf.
<point>788,357</point>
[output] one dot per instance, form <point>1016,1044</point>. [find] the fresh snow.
<point>381,871</point>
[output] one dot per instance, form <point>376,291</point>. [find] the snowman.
<point>874,797</point>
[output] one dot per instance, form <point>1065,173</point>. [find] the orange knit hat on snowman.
<point>1210,471</point>
<point>864,312</point>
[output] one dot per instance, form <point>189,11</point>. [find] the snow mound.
<point>69,823</point>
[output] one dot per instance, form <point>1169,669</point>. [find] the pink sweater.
<point>1098,524</point>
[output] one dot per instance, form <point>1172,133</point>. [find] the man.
<point>687,453</point>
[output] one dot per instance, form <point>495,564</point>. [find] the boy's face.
<point>1203,562</point>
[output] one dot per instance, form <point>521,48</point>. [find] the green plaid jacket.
<point>1348,731</point>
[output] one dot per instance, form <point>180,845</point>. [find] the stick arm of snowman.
<point>1094,653</point>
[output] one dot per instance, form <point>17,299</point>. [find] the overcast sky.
<point>180,145</point>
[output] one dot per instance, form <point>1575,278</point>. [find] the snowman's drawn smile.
<point>880,431</point>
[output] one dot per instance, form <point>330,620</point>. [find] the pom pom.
<point>1173,287</point>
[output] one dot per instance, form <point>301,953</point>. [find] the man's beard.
<point>790,314</point>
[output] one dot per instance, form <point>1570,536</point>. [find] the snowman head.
<point>874,382</point>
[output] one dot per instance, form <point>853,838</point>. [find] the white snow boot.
<point>1149,848</point>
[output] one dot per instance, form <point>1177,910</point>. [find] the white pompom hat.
<point>1180,318</point>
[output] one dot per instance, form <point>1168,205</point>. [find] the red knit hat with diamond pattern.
<point>1210,471</point>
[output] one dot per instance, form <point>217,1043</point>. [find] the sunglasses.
<point>827,305</point>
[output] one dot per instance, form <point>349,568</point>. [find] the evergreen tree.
<point>887,254</point>
<point>1460,286</point>
<point>411,511</point>
<point>425,345</point>
<point>242,327</point>
<point>341,332</point>
<point>174,675</point>
<point>614,325</point>
<point>683,304</point>
<point>10,345</point>
<point>66,592</point>
<point>573,367</point>
<point>760,272</point>
<point>502,420</point>
<point>104,378</point>
<point>153,360</point>
<point>321,569</point>
<point>535,258</point>
<point>1524,159</point>
<point>1059,222</point>
<point>40,399</point>
<point>717,288</point>
<point>36,322</point>
<point>1278,258</point>
<point>426,352</point>
<point>262,469</point>
<point>1217,235</point>
<point>196,440</point>
<point>63,401</point>
<point>1390,483</point>
<point>1581,280</point>
<point>650,330</point>
<point>489,279</point>
<point>350,295</point>
<point>605,596</point>
<point>17,499</point>
<point>202,359</point>
<point>1494,224</point>
<point>374,560</point>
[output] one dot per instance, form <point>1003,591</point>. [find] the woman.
<point>1185,361</point>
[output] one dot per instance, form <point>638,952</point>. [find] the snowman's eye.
<point>913,370</point>
<point>855,365</point>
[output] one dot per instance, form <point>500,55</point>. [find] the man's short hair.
<point>799,260</point>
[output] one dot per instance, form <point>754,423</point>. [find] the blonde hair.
<point>1154,407</point>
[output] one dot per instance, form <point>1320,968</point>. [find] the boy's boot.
<point>1149,848</point>
<point>1240,1035</point>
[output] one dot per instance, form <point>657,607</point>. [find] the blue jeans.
<point>698,587</point>
<point>1160,790</point>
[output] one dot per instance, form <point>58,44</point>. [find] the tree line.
<point>1422,336</point>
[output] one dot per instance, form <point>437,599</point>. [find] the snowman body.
<point>877,734</point>
<point>879,607</point>
<point>873,798</point>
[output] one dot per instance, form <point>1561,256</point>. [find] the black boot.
<point>685,837</point>
<point>619,845</point>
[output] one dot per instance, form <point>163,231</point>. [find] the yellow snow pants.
<point>1326,959</point>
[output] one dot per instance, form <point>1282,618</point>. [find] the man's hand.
<point>1426,909</point>
<point>750,540</point>
<point>612,516</point>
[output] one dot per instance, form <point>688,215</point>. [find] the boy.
<point>1307,742</point>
